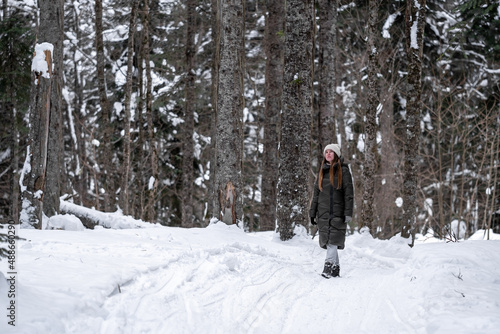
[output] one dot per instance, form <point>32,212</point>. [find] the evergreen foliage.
<point>16,43</point>
<point>480,27</point>
<point>16,49</point>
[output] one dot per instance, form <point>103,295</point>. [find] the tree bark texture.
<point>295,144</point>
<point>414,31</point>
<point>230,103</point>
<point>78,161</point>
<point>53,28</point>
<point>107,171</point>
<point>274,82</point>
<point>388,183</point>
<point>188,143</point>
<point>124,194</point>
<point>14,181</point>
<point>327,45</point>
<point>153,154</point>
<point>41,195</point>
<point>215,25</point>
<point>140,157</point>
<point>367,212</point>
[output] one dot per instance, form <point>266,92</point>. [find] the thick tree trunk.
<point>74,106</point>
<point>216,23</point>
<point>124,194</point>
<point>274,83</point>
<point>106,154</point>
<point>228,194</point>
<point>42,179</point>
<point>415,21</point>
<point>367,212</point>
<point>188,143</point>
<point>295,144</point>
<point>153,154</point>
<point>56,175</point>
<point>388,185</point>
<point>326,71</point>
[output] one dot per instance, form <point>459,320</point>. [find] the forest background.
<point>156,100</point>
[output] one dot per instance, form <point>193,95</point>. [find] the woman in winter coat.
<point>332,203</point>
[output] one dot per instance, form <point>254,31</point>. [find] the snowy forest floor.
<point>218,279</point>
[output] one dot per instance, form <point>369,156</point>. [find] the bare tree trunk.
<point>56,175</point>
<point>216,22</point>
<point>387,188</point>
<point>415,22</point>
<point>274,83</point>
<point>493,158</point>
<point>141,155</point>
<point>367,213</point>
<point>106,156</point>
<point>15,167</point>
<point>228,197</point>
<point>153,179</point>
<point>295,144</point>
<point>452,167</point>
<point>476,183</point>
<point>327,42</point>
<point>188,143</point>
<point>462,186</point>
<point>74,112</point>
<point>41,180</point>
<point>440,174</point>
<point>124,195</point>
<point>495,153</point>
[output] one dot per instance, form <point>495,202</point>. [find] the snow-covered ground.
<point>156,279</point>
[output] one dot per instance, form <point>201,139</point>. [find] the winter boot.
<point>335,271</point>
<point>327,271</point>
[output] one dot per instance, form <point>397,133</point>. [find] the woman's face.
<point>329,155</point>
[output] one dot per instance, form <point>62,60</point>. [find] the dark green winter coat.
<point>331,206</point>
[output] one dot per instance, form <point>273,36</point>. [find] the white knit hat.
<point>334,147</point>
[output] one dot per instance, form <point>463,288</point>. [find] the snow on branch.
<point>91,217</point>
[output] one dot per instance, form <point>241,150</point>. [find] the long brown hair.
<point>335,165</point>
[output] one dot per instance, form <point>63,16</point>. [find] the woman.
<point>332,203</point>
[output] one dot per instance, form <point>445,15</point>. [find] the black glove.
<point>313,221</point>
